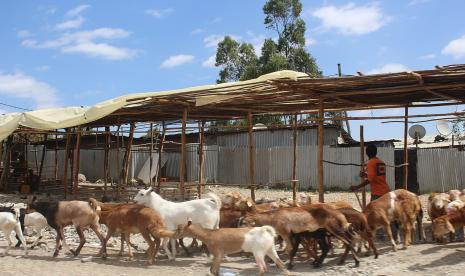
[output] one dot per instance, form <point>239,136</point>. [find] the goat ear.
<point>150,190</point>
<point>189,222</point>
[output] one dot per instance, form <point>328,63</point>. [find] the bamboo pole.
<point>118,164</point>
<point>321,113</point>
<point>201,158</point>
<point>56,158</point>
<point>294,159</point>
<point>160,151</point>
<point>406,149</point>
<point>151,155</point>
<point>65,169</point>
<point>127,155</point>
<point>76,161</point>
<point>362,165</point>
<point>182,165</point>
<point>251,157</point>
<point>107,160</point>
<point>42,159</point>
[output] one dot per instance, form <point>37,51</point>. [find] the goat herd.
<point>235,224</point>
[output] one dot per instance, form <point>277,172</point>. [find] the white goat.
<point>205,211</point>
<point>37,222</point>
<point>9,222</point>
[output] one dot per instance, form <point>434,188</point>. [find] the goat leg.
<point>82,241</point>
<point>96,228</point>
<point>324,245</point>
<point>295,238</point>
<point>274,256</point>
<point>181,243</point>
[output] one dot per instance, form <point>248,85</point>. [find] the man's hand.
<point>354,187</point>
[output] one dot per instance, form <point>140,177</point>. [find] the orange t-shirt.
<point>376,173</point>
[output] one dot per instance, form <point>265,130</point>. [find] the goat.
<point>448,223</point>
<point>34,220</point>
<point>63,213</point>
<point>399,205</point>
<point>131,219</point>
<point>257,240</point>
<point>9,222</point>
<point>205,212</point>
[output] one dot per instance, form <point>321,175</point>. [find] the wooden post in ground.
<point>362,166</point>
<point>160,152</point>
<point>201,158</point>
<point>251,157</point>
<point>182,165</point>
<point>76,162</point>
<point>56,157</point>
<point>127,155</point>
<point>106,160</point>
<point>151,155</point>
<point>118,164</point>
<point>6,163</point>
<point>65,169</point>
<point>405,149</point>
<point>294,159</point>
<point>42,159</point>
<point>320,171</point>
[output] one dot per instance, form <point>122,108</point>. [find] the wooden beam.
<point>76,162</point>
<point>56,157</point>
<point>182,165</point>
<point>321,195</point>
<point>406,149</point>
<point>160,153</point>
<point>362,166</point>
<point>201,158</point>
<point>390,117</point>
<point>118,162</point>
<point>106,160</point>
<point>65,169</point>
<point>127,154</point>
<point>294,159</point>
<point>151,155</point>
<point>251,157</point>
<point>42,158</point>
<point>6,163</point>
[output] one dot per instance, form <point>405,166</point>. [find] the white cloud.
<point>428,56</point>
<point>70,24</point>
<point>24,34</point>
<point>177,60</point>
<point>2,111</point>
<point>310,41</point>
<point>388,68</point>
<point>19,85</point>
<point>77,10</point>
<point>455,48</point>
<point>417,2</point>
<point>213,40</point>
<point>101,50</point>
<point>197,31</point>
<point>84,42</point>
<point>209,62</point>
<point>216,20</point>
<point>159,13</point>
<point>351,19</point>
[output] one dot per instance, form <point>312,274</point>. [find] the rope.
<point>358,165</point>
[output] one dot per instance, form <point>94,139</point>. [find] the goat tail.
<point>94,204</point>
<point>270,230</point>
<point>162,233</point>
<point>216,199</point>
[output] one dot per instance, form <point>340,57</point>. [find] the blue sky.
<point>65,53</point>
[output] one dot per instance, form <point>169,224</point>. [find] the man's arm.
<point>357,187</point>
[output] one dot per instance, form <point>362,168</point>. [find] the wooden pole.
<point>362,165</point>
<point>201,158</point>
<point>251,157</point>
<point>151,154</point>
<point>321,196</point>
<point>107,160</point>
<point>405,149</point>
<point>65,169</point>
<point>76,161</point>
<point>6,163</point>
<point>182,165</point>
<point>294,159</point>
<point>118,164</point>
<point>42,159</point>
<point>160,152</point>
<point>127,154</point>
<point>56,157</point>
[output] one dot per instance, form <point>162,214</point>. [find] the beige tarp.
<point>56,118</point>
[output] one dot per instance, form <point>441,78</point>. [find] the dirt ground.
<point>419,259</point>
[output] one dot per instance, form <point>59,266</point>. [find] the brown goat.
<point>448,223</point>
<point>399,205</point>
<point>131,219</point>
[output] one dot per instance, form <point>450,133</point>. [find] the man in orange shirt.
<point>375,174</point>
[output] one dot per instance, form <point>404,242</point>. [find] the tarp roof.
<point>282,92</point>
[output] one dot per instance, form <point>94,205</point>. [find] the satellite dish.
<point>443,128</point>
<point>417,132</point>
